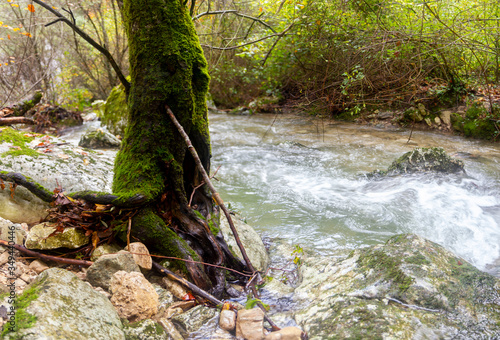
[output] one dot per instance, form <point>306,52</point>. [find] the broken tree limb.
<point>207,181</point>
<point>35,188</point>
<point>16,120</point>
<point>26,251</point>
<point>21,108</point>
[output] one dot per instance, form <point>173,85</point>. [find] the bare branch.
<point>235,12</point>
<point>87,38</point>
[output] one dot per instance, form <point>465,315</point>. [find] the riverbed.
<point>303,179</point>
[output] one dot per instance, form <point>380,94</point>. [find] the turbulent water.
<point>302,179</point>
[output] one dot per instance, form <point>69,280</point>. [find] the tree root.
<point>27,182</point>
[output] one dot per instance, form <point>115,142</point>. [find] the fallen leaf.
<point>63,156</point>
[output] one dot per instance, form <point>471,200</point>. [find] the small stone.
<point>428,121</point>
<point>28,278</point>
<point>227,320</point>
<point>19,285</point>
<point>249,324</point>
<point>145,329</point>
<point>100,273</point>
<point>176,289</point>
<point>11,232</point>
<point>102,291</point>
<point>133,296</point>
<point>169,327</point>
<point>287,333</point>
<point>141,255</point>
<point>193,319</point>
<point>4,258</point>
<point>81,275</point>
<point>446,117</point>
<point>40,237</point>
<point>104,249</point>
<point>38,266</point>
<point>437,120</point>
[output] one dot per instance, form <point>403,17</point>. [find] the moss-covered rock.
<point>98,138</point>
<point>422,160</point>
<point>404,289</point>
<point>61,306</point>
<point>43,236</point>
<point>115,111</point>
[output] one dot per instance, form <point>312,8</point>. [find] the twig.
<point>128,232</point>
<point>411,132</point>
<point>23,249</point>
<point>235,12</point>
<point>195,289</point>
<point>413,306</point>
<point>16,120</point>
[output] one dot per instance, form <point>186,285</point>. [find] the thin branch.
<point>248,43</point>
<point>215,194</point>
<point>235,12</point>
<point>24,250</point>
<point>91,41</point>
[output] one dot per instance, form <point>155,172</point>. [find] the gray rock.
<point>409,288</point>
<point>192,320</point>
<point>227,320</point>
<point>64,307</point>
<point>41,236</point>
<point>252,242</point>
<point>71,167</point>
<point>104,249</point>
<point>11,231</point>
<point>422,160</point>
<point>145,330</point>
<point>100,273</point>
<point>446,117</point>
<point>99,138</point>
<point>165,298</point>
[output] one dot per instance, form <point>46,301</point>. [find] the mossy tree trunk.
<point>167,67</point>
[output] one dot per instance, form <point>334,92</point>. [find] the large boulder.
<point>51,162</point>
<point>408,288</point>
<point>58,305</point>
<point>252,242</point>
<point>423,160</point>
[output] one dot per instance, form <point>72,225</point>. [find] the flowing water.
<point>302,179</point>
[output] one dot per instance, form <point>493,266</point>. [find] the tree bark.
<point>167,67</point>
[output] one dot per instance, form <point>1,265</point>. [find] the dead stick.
<point>16,120</point>
<point>23,249</point>
<point>195,289</point>
<point>210,186</point>
<point>219,201</point>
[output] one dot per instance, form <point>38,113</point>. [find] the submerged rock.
<point>423,160</point>
<point>405,289</point>
<point>61,306</point>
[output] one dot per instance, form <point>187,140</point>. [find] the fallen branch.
<point>16,120</point>
<point>206,179</point>
<point>26,251</point>
<point>235,12</point>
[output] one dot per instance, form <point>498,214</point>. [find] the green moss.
<point>388,266</point>
<point>418,259</point>
<point>19,141</point>
<point>23,319</point>
<point>482,129</point>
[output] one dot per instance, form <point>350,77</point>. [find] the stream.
<point>302,179</point>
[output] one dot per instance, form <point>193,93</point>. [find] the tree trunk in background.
<point>167,67</point>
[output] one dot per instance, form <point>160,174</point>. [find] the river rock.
<point>51,162</point>
<point>252,242</point>
<point>193,319</point>
<point>145,330</point>
<point>61,306</point>
<point>227,320</point>
<point>11,231</point>
<point>133,296</point>
<point>286,333</point>
<point>38,266</point>
<point>408,288</point>
<point>141,255</point>
<point>100,273</point>
<point>41,236</point>
<point>99,138</point>
<point>104,249</point>
<point>446,117</point>
<point>249,324</point>
<point>422,160</point>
